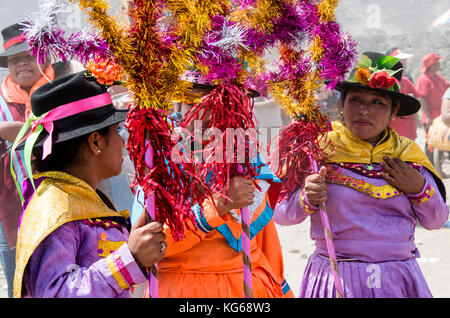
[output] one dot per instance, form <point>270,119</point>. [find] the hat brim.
<point>13,50</point>
<point>251,93</point>
<point>119,115</point>
<point>425,68</point>
<point>403,56</point>
<point>408,104</point>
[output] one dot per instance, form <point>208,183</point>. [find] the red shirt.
<point>406,125</point>
<point>432,88</point>
<point>407,87</point>
<point>10,205</point>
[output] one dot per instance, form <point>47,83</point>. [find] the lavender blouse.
<point>366,227</point>
<point>86,258</point>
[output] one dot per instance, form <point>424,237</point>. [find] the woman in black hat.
<point>376,185</point>
<point>72,242</point>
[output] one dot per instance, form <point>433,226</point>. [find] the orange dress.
<point>208,262</point>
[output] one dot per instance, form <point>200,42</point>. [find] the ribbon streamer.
<point>45,122</point>
<point>246,256</point>
<point>329,241</point>
<point>150,216</point>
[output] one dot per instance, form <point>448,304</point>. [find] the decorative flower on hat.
<point>380,76</point>
<point>106,72</point>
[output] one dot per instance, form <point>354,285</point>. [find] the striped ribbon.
<point>246,258</point>
<point>150,216</point>
<point>329,241</point>
<point>6,115</point>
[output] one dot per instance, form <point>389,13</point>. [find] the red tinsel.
<point>298,142</point>
<point>226,108</point>
<point>174,184</point>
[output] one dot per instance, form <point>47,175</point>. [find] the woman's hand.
<point>147,242</point>
<point>241,193</point>
<point>315,187</point>
<point>10,129</point>
<point>402,176</point>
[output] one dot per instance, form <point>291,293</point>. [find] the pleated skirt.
<point>392,279</point>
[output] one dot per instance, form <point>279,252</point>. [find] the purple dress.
<point>85,258</point>
<point>373,237</point>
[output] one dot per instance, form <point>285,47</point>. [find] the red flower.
<point>381,80</point>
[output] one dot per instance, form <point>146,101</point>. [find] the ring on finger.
<point>163,248</point>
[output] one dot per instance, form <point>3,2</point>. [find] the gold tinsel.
<point>134,52</point>
<point>327,9</point>
<point>192,19</point>
<point>279,92</point>
<point>258,16</point>
<point>316,50</point>
<point>111,30</point>
<point>298,98</point>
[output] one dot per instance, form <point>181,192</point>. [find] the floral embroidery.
<point>381,192</point>
<point>335,176</point>
<point>368,170</point>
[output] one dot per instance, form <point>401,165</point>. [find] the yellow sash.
<point>341,146</point>
<point>59,199</point>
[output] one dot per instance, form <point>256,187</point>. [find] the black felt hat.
<point>371,63</point>
<point>199,81</point>
<point>78,87</point>
<point>13,42</point>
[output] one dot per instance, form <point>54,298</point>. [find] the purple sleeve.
<point>428,205</point>
<point>293,209</point>
<point>53,269</point>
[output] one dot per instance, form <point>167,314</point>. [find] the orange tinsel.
<point>105,71</point>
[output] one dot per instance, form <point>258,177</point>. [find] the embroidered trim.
<point>201,220</point>
<point>105,248</point>
<point>381,192</point>
<point>369,170</point>
<point>116,273</point>
<point>255,227</point>
<point>424,196</point>
<point>285,288</point>
<point>304,203</point>
<point>104,223</point>
<point>122,269</point>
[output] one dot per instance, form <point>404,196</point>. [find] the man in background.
<point>431,86</point>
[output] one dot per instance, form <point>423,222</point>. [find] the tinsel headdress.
<point>311,49</point>
<point>227,41</point>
